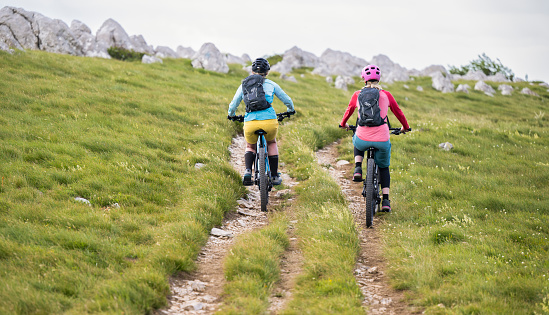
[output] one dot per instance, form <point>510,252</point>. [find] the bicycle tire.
<point>263,180</point>
<point>369,194</point>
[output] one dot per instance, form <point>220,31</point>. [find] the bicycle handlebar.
<point>279,116</point>
<point>394,131</point>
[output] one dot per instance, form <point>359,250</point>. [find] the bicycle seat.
<point>260,132</point>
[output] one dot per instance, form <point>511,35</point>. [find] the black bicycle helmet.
<point>261,65</point>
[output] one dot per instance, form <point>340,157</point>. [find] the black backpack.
<point>369,112</point>
<point>254,95</point>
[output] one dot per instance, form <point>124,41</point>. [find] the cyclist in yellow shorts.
<point>258,94</point>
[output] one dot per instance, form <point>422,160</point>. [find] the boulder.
<point>141,44</point>
<point>527,91</point>
<point>165,52</point>
<point>428,71</point>
<point>87,41</point>
<point>474,76</point>
<point>419,88</point>
<point>390,71</point>
<point>334,62</point>
<point>30,30</point>
<point>442,83</point>
<point>234,59</point>
<point>185,52</point>
<point>150,59</point>
<point>210,58</point>
<point>483,87</point>
<point>341,83</point>
<point>111,34</point>
<point>505,89</point>
<point>246,58</point>
<point>545,85</point>
<point>464,88</point>
<point>498,77</point>
<point>295,58</point>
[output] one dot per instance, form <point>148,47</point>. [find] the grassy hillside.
<point>469,229</point>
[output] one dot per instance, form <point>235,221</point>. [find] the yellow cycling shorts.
<point>250,127</point>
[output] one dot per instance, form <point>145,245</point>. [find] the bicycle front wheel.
<point>263,180</point>
<point>369,193</point>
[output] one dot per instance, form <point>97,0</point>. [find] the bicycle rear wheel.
<point>369,193</point>
<point>263,180</point>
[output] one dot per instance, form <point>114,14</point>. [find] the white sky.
<point>415,34</point>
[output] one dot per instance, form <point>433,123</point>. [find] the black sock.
<point>358,164</point>
<point>249,159</point>
<point>273,163</point>
<point>385,196</point>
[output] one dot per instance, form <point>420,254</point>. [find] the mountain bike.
<point>370,189</point>
<point>262,169</point>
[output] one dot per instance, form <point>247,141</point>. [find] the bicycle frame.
<point>261,146</point>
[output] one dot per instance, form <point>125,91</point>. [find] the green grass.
<point>252,267</point>
<point>469,228</point>
<point>111,132</point>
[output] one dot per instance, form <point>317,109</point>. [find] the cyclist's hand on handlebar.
<point>291,112</point>
<point>346,127</point>
<point>230,117</point>
<point>402,130</point>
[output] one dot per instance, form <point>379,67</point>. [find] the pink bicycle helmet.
<point>371,72</point>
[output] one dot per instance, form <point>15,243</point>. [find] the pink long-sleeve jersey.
<point>378,133</point>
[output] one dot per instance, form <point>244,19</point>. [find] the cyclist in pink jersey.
<point>377,136</point>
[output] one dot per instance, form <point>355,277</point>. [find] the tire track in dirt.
<point>201,292</point>
<point>379,297</point>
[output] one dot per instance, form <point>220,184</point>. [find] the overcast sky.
<point>415,34</point>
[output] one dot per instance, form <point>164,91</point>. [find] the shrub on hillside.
<point>486,65</point>
<point>273,60</point>
<point>124,54</point>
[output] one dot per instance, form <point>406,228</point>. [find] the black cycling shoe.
<point>276,180</point>
<point>386,205</point>
<point>247,178</point>
<point>357,177</point>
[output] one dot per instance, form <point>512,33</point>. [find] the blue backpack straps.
<point>254,95</point>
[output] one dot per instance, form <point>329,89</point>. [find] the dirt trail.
<point>201,292</point>
<point>379,297</point>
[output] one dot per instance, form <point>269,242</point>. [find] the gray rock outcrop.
<point>295,58</point>
<point>334,62</point>
<point>87,41</point>
<point>390,71</point>
<point>463,88</point>
<point>527,91</point>
<point>483,87</point>
<point>442,83</point>
<point>505,89</point>
<point>21,29</point>
<point>165,52</point>
<point>210,58</point>
<point>234,59</point>
<point>150,59</point>
<point>185,52</point>
<point>111,34</point>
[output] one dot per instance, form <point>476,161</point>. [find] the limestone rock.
<point>210,58</point>
<point>185,52</point>
<point>442,83</point>
<point>505,89</point>
<point>483,87</point>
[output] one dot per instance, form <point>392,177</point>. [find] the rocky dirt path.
<point>370,268</point>
<point>201,292</point>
